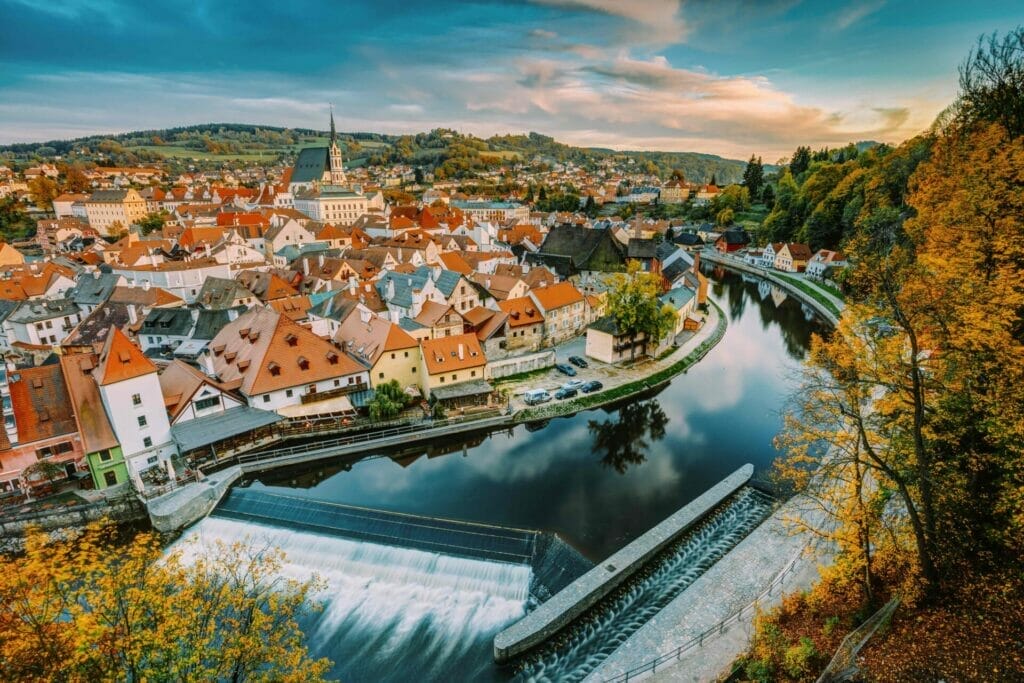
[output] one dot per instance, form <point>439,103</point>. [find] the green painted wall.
<point>98,468</point>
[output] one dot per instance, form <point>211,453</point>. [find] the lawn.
<point>812,292</point>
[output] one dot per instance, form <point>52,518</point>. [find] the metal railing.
<point>843,665</point>
<point>712,632</point>
<point>481,420</point>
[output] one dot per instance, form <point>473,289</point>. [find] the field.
<point>173,152</point>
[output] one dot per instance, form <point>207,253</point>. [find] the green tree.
<point>800,162</point>
<point>590,208</point>
<point>725,217</point>
<point>152,222</point>
<point>633,303</point>
<point>753,176</point>
<point>388,400</point>
<point>992,83</point>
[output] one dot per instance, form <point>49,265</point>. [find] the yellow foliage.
<point>97,608</point>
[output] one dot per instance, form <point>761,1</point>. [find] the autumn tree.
<point>93,608</point>
<point>992,83</point>
<point>634,304</point>
<point>43,191</point>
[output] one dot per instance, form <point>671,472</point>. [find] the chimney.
<point>391,289</point>
<point>232,314</point>
<point>133,315</point>
<point>364,315</point>
<point>352,285</point>
<point>305,267</point>
<point>145,285</point>
<point>320,259</point>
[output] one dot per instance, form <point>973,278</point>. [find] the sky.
<point>727,77</point>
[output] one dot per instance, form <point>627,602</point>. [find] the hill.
<point>451,153</point>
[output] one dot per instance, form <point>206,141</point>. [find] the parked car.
<point>565,392</point>
<point>565,369</point>
<point>535,397</point>
<point>591,386</point>
<point>578,362</point>
<point>573,384</point>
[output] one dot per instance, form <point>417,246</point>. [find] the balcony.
<point>314,396</point>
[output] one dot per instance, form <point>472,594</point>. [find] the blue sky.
<point>729,77</point>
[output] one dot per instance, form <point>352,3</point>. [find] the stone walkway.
<point>730,585</point>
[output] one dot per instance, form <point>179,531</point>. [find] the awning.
<point>209,429</point>
<point>473,387</point>
<point>338,404</point>
<point>191,347</point>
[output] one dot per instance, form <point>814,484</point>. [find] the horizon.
<point>716,78</point>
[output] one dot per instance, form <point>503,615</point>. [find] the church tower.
<point>335,170</point>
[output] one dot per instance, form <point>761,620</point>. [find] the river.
<point>598,479</point>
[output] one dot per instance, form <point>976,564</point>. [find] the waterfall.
<point>390,613</point>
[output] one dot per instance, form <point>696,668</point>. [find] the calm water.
<point>601,478</point>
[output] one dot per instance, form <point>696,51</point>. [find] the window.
<point>380,375</point>
<point>110,478</point>
<point>414,368</point>
<point>55,449</point>
<point>472,373</point>
<point>392,356</point>
<point>406,354</point>
<point>442,379</point>
<point>454,376</point>
<point>148,442</point>
<point>288,393</point>
<point>105,456</point>
<point>151,460</point>
<point>266,398</point>
<point>142,421</point>
<point>209,402</point>
<point>137,398</point>
<point>337,382</point>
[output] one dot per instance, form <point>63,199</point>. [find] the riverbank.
<point>827,305</point>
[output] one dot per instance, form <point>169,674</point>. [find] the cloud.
<point>849,16</point>
<point>659,21</point>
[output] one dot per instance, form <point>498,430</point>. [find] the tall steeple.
<point>336,170</point>
<point>334,134</point>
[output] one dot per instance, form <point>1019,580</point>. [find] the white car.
<point>573,384</point>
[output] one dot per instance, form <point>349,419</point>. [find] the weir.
<point>588,590</point>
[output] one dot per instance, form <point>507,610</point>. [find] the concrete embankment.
<point>586,591</point>
<point>181,507</point>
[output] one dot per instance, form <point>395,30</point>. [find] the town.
<point>557,340</point>
<point>165,321</point>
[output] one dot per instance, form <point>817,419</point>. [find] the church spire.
<point>334,135</point>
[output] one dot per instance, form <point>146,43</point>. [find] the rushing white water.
<point>390,613</point>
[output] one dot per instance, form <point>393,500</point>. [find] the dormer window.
<point>303,363</point>
<point>291,339</point>
<point>243,365</point>
<point>244,332</point>
<point>218,349</point>
<point>274,368</point>
<point>230,356</point>
<point>332,358</point>
<point>254,337</point>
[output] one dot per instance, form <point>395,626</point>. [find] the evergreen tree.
<point>801,161</point>
<point>753,176</point>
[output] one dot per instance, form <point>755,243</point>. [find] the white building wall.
<point>124,417</point>
<point>275,400</point>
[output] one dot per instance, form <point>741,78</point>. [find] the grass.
<point>812,292</point>
<point>631,388</point>
<point>831,290</point>
<point>186,153</point>
<point>518,377</point>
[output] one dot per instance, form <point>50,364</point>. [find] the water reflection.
<point>622,442</point>
<point>602,477</point>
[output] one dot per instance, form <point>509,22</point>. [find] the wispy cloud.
<point>856,12</point>
<point>659,20</point>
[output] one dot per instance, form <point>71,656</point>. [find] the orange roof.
<point>453,261</point>
<point>41,405</point>
<point>449,354</point>
<point>193,236</point>
<point>91,416</point>
<point>557,296</point>
<point>521,311</point>
<point>229,218</point>
<point>121,360</point>
<point>295,307</point>
<point>264,351</point>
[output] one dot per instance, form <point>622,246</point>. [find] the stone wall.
<point>520,364</point>
<point>178,509</point>
<point>126,509</point>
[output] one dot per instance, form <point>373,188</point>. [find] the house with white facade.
<point>130,390</point>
